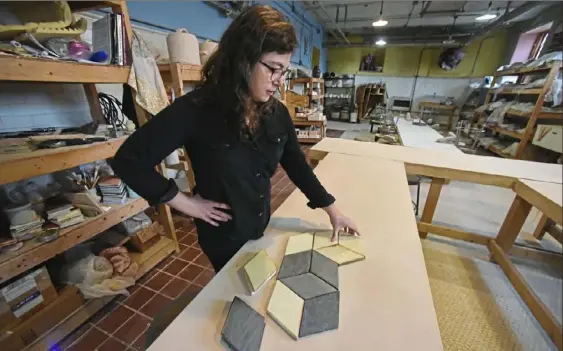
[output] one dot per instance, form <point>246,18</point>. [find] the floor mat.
<point>334,133</point>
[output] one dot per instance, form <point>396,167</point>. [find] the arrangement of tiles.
<point>122,325</point>
<point>305,299</point>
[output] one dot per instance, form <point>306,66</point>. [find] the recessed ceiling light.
<point>380,23</point>
<point>486,17</point>
<point>380,42</point>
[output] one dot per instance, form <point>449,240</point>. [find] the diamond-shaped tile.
<point>299,243</point>
<point>259,270</point>
<point>322,239</point>
<point>308,285</point>
<point>353,243</point>
<point>295,264</point>
<point>243,328</point>
<point>320,314</point>
<point>325,268</point>
<point>340,254</point>
<point>286,308</point>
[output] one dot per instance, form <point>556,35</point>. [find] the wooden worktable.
<point>448,165</point>
<point>385,301</point>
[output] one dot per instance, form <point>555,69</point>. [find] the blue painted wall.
<point>208,23</point>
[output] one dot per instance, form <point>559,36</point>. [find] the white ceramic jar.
<point>183,47</point>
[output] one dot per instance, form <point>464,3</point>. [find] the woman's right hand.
<point>198,207</point>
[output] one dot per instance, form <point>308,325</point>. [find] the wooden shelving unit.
<point>309,86</point>
<point>176,75</point>
<point>532,117</point>
<point>21,166</point>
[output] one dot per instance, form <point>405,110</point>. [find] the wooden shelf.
<point>81,6</point>
<point>25,165</point>
<point>309,140</point>
<point>307,80</point>
<point>524,70</point>
<point>510,133</point>
<point>34,253</point>
<point>187,73</point>
<point>150,258</point>
<point>542,115</point>
<point>307,123</point>
<point>516,91</point>
<point>316,97</point>
<point>498,151</point>
<point>21,69</point>
<point>147,261</point>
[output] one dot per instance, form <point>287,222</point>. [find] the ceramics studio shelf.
<point>21,166</point>
<point>531,118</point>
<point>20,69</point>
<point>26,165</point>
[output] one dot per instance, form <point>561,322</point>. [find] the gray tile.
<point>295,264</point>
<point>308,285</point>
<point>243,328</point>
<point>320,314</point>
<point>325,268</point>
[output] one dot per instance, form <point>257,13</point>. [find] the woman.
<point>235,133</point>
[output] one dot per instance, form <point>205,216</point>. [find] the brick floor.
<point>122,324</point>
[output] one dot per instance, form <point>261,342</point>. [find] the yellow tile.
<point>322,239</point>
<point>351,242</point>
<point>286,308</point>
<point>340,254</point>
<point>259,270</point>
<point>299,243</point>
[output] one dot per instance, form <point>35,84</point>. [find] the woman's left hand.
<point>340,222</point>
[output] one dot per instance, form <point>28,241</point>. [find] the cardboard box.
<point>21,298</point>
<point>24,334</point>
<point>144,239</point>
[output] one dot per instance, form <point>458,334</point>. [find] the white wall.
<point>402,86</point>
<point>24,106</point>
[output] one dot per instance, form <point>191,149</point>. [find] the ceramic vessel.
<point>206,49</point>
<point>183,47</point>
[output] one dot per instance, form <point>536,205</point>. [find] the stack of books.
<point>65,216</point>
<point>108,35</point>
<point>113,190</point>
<point>27,230</point>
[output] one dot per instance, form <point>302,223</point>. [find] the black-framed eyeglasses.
<point>277,73</point>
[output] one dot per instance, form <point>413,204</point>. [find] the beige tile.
<point>286,308</point>
<point>340,254</point>
<point>322,239</point>
<point>353,243</point>
<point>299,243</point>
<point>259,270</point>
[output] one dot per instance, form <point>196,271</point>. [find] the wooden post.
<point>94,102</point>
<point>513,223</point>
<point>543,224</point>
<point>431,202</point>
<point>537,109</point>
<point>177,82</point>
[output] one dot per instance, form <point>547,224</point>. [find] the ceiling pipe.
<point>433,14</point>
<point>338,30</point>
<point>507,17</point>
<point>425,8</point>
<point>414,3</point>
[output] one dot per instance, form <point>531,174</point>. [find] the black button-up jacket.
<point>229,166</point>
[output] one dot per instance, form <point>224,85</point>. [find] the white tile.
<point>299,243</point>
<point>286,308</point>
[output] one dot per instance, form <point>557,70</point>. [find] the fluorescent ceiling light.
<point>380,23</point>
<point>486,17</point>
<point>380,42</point>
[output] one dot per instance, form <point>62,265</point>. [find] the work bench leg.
<point>431,202</point>
<point>542,227</point>
<point>513,223</point>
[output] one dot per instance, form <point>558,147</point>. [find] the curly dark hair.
<point>226,75</point>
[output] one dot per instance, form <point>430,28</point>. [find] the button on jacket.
<point>230,164</point>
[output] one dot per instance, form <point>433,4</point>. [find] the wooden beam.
<point>431,202</point>
<point>540,230</point>
<point>513,223</point>
<point>555,232</point>
<point>542,201</point>
<point>543,315</point>
<point>453,233</point>
<point>21,166</point>
<point>460,175</point>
